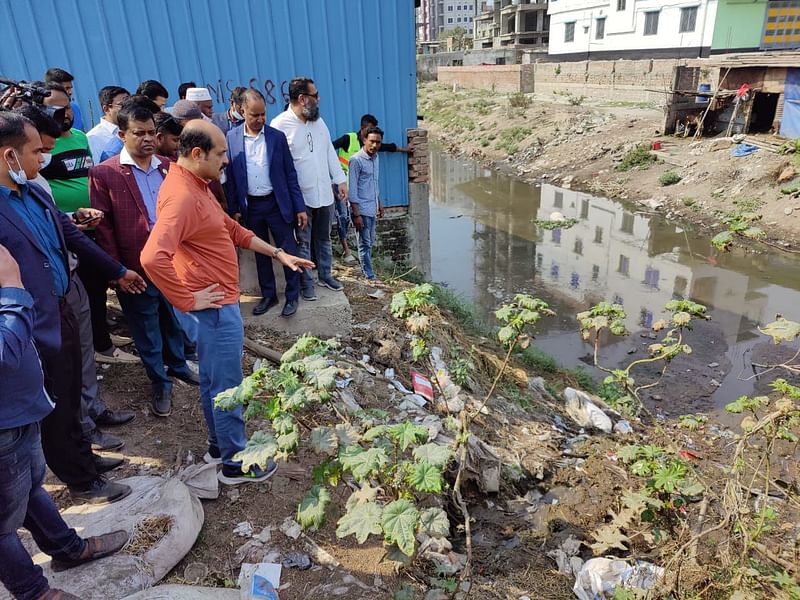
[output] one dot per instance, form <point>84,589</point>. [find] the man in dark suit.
<point>262,187</point>
<point>39,236</point>
<point>125,188</point>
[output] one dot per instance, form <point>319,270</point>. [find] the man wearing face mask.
<point>68,175</point>
<point>234,115</point>
<point>317,168</point>
<point>40,237</point>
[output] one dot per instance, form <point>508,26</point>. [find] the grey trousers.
<point>91,405</point>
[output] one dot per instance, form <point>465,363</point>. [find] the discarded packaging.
<point>400,387</point>
<point>297,560</point>
<point>243,529</point>
<point>260,582</point>
<point>422,385</point>
<point>600,577</point>
<point>584,412</point>
<point>623,427</point>
<point>291,528</point>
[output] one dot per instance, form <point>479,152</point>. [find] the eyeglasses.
<point>315,95</point>
<point>310,141</point>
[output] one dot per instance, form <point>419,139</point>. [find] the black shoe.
<point>308,294</point>
<point>331,284</point>
<point>264,305</point>
<point>99,491</point>
<point>114,418</point>
<point>187,376</point>
<point>162,403</point>
<point>103,464</point>
<point>289,308</point>
<point>104,441</point>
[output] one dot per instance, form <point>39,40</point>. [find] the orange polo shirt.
<point>192,244</point>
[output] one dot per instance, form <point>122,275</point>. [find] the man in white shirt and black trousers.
<point>317,168</point>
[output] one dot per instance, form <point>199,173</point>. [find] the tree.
<point>458,35</point>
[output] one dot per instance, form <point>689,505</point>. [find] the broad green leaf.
<point>781,330</point>
<point>329,471</point>
<point>259,449</point>
<point>365,494</point>
<point>667,478</point>
<point>362,463</point>
<point>347,434</point>
<point>425,478</point>
<point>374,432</point>
<point>399,520</point>
<point>295,399</point>
<point>407,433</point>
<point>324,441</point>
<point>691,488</point>
<point>322,379</point>
<point>283,423</point>
<point>360,520</point>
<point>680,319</point>
<point>288,441</point>
<point>722,240</point>
<point>434,522</point>
<point>506,334</point>
<point>234,397</point>
<point>629,453</point>
<point>642,468</point>
<point>311,512</point>
<point>433,454</point>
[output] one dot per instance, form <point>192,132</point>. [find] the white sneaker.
<point>120,340</point>
<point>116,357</point>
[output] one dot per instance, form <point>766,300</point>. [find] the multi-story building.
<point>437,16</point>
<point>600,29</point>
<point>512,23</point>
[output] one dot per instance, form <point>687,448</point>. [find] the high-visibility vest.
<point>352,147</point>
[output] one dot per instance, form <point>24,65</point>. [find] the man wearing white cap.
<point>202,98</point>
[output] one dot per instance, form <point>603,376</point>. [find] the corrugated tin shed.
<point>359,52</point>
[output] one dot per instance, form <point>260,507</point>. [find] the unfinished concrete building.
<point>513,23</point>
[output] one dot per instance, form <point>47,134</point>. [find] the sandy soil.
<point>580,146</point>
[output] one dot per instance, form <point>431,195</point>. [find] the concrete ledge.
<point>328,316</point>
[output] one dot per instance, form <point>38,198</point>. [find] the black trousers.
<point>96,289</point>
<point>66,451</point>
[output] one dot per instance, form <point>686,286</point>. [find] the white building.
<point>437,16</point>
<point>611,29</point>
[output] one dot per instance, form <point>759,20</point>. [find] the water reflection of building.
<point>611,254</point>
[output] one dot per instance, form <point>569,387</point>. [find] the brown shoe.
<point>96,547</point>
<point>52,594</point>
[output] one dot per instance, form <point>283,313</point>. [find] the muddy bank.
<point>581,145</point>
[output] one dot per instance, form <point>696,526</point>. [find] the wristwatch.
<point>276,252</point>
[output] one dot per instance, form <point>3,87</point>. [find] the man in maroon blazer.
<point>125,188</point>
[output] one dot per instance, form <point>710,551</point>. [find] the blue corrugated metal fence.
<point>359,52</point>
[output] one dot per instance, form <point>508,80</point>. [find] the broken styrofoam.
<point>586,414</point>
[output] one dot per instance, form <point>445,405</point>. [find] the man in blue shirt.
<point>23,501</point>
<point>365,202</point>
<point>39,237</point>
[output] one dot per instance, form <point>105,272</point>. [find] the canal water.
<point>486,247</point>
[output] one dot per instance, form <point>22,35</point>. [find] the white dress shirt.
<point>255,152</point>
<point>99,136</point>
<point>315,159</point>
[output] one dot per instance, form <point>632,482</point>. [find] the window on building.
<point>449,19</point>
<point>627,223</point>
<point>555,236</point>
<point>574,280</point>
<point>578,247</point>
<point>688,19</point>
<point>450,8</point>
<point>569,32</point>
<point>558,200</point>
<point>598,235</point>
<point>651,277</point>
<point>470,30</point>
<point>554,271</point>
<point>600,29</point>
<point>458,20</point>
<point>595,272</point>
<point>651,22</point>
<point>617,299</point>
<point>624,266</point>
<point>620,4</point>
<point>584,209</point>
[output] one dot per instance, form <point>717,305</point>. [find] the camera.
<point>23,91</point>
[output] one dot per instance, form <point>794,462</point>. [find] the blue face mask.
<point>19,177</point>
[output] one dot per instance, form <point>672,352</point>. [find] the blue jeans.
<point>342,218</point>
<point>317,234</point>
<point>366,239</point>
<point>24,503</point>
<point>220,343</point>
<point>157,334</point>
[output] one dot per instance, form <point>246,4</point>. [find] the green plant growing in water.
<point>639,157</point>
<point>669,178</point>
<point>607,317</point>
<point>740,222</point>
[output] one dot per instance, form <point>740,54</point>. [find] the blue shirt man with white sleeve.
<point>365,203</point>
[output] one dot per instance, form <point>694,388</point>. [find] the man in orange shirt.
<point>191,257</point>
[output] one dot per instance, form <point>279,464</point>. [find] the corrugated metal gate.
<point>359,52</point>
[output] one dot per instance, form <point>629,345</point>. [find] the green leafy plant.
<point>639,157</point>
<point>575,100</point>
<point>519,100</point>
<point>510,137</point>
<point>412,306</point>
<point>692,422</point>
<point>611,318</point>
<point>669,178</point>
<point>739,222</point>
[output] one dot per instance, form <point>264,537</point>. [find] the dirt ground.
<point>580,146</point>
